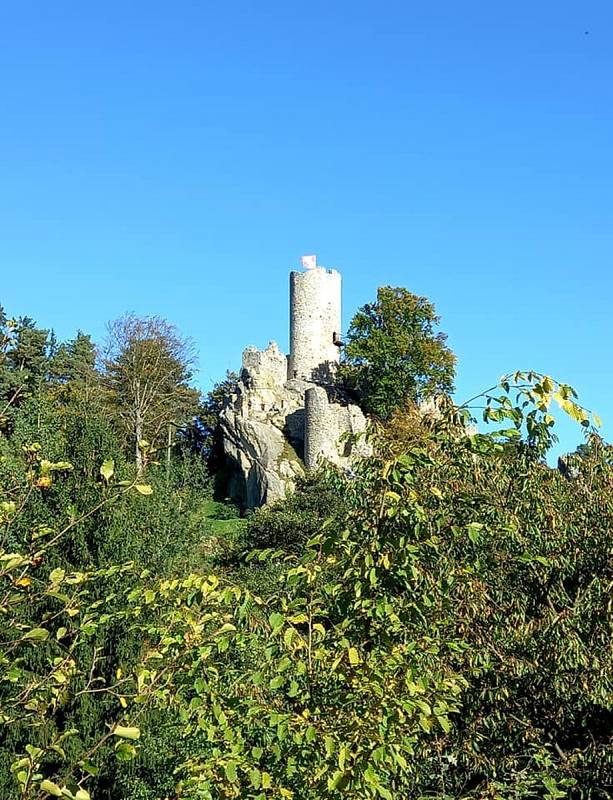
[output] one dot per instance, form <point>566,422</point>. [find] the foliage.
<point>209,425</point>
<point>290,523</point>
<point>436,624</point>
<point>25,351</point>
<point>147,371</point>
<point>393,353</point>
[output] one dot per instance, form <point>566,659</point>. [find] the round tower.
<point>315,324</point>
<point>316,427</point>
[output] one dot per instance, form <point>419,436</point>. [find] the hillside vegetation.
<point>436,624</point>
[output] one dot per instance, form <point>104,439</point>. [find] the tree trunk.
<point>168,448</point>
<point>138,433</point>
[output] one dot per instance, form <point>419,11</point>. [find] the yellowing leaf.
<point>127,733</point>
<point>143,488</point>
<point>354,656</point>
<point>51,788</point>
<point>107,469</point>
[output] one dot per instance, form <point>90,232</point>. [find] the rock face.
<point>275,430</point>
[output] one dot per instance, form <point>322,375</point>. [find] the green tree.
<point>148,366</point>
<point>25,356</point>
<point>394,354</point>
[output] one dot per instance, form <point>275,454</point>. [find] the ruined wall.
<point>332,431</point>
<point>264,369</point>
<point>315,318</point>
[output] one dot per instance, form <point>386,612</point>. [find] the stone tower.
<point>315,323</point>
<point>284,418</point>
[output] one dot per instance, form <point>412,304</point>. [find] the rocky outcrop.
<point>268,421</point>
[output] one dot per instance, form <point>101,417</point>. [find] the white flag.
<point>309,262</point>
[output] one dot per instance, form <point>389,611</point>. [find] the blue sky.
<point>178,159</point>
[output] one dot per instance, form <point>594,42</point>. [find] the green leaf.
<point>255,778</point>
<point>276,621</point>
<point>107,469</point>
<point>126,733</point>
<point>444,723</point>
<point>51,788</point>
<point>474,531</point>
<point>57,575</point>
<point>230,770</point>
<point>124,751</point>
<point>36,635</point>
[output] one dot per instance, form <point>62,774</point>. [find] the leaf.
<point>126,733</point>
<point>354,656</point>
<point>36,635</point>
<point>51,788</point>
<point>57,575</point>
<point>107,469</point>
<point>124,751</point>
<point>474,530</point>
<point>547,384</point>
<point>143,488</point>
<point>276,621</point>
<point>230,770</point>
<point>444,723</point>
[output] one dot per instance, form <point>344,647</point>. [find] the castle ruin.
<point>286,416</point>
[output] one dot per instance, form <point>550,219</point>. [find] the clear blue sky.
<point>178,158</point>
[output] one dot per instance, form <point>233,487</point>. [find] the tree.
<point>147,369</point>
<point>393,353</point>
<point>25,353</point>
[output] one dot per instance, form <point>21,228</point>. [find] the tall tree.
<point>74,373</point>
<point>148,366</point>
<point>394,354</point>
<point>25,353</point>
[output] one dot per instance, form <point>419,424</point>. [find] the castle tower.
<point>315,322</point>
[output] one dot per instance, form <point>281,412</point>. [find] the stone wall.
<point>264,369</point>
<point>315,321</point>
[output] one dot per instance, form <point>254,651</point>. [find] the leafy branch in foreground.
<point>446,636</point>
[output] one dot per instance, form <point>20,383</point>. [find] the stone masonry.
<point>284,418</point>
